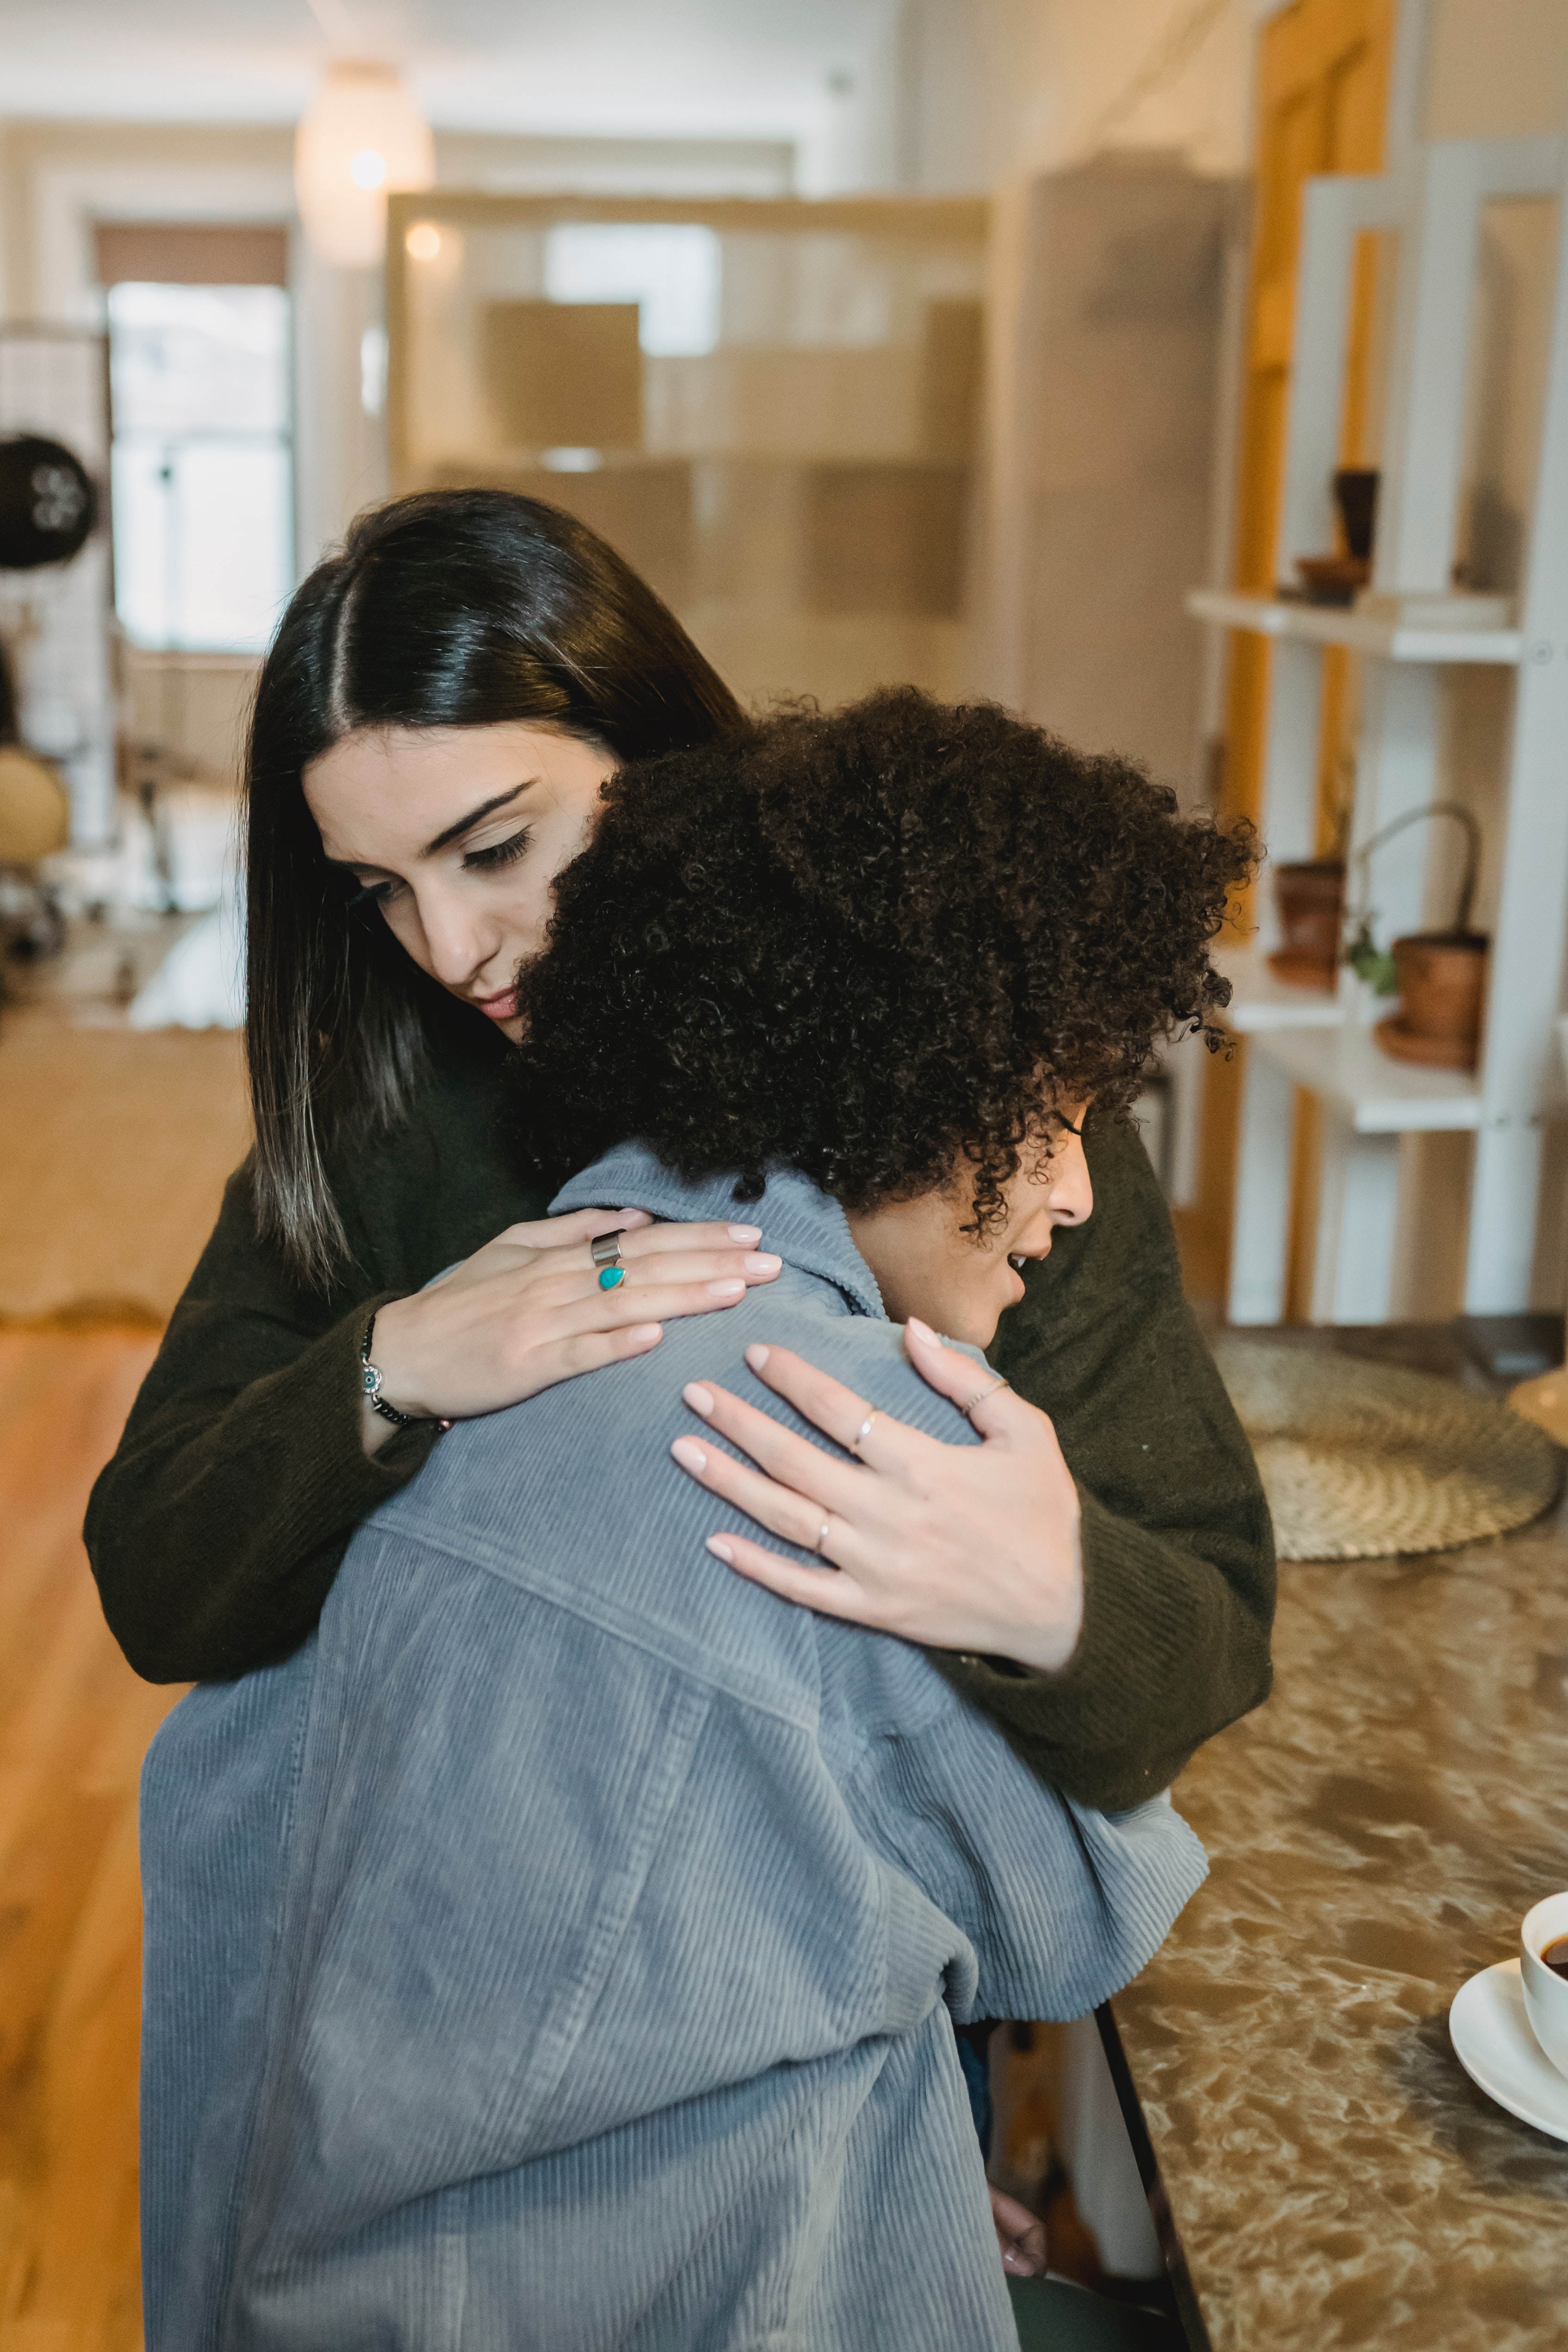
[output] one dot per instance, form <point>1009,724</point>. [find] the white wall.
<point>1000,89</point>
<point>1109,283</point>
<point>1496,69</point>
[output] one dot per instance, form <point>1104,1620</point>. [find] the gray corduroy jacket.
<point>559,1951</point>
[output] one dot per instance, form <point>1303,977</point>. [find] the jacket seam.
<point>607,1617</point>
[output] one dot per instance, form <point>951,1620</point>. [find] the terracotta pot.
<point>1442,986</point>
<point>1333,578</point>
<point>1310,899</point>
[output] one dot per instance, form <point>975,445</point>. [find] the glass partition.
<point>771,408</point>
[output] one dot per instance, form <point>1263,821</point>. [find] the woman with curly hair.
<point>562,1949</point>
<point>915,938</point>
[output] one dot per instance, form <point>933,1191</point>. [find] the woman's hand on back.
<point>527,1310</point>
<point>967,1548</point>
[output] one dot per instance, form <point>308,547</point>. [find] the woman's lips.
<point>497,1008</point>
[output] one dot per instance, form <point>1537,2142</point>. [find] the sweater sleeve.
<point>216,1529</point>
<point>1178,1553</point>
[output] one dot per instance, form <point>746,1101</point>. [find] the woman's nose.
<point>1071,1195</point>
<point>458,939</point>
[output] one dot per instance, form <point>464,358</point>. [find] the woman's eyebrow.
<point>486,808</point>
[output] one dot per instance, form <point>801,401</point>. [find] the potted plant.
<point>1309,893</point>
<point>1439,977</point>
<point>1310,896</point>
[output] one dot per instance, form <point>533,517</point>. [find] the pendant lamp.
<point>363,137</point>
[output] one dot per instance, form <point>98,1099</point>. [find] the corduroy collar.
<point>805,1225</point>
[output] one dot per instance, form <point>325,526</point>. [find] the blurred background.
<point>1190,374</point>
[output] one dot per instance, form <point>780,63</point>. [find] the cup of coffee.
<point>1544,1965</point>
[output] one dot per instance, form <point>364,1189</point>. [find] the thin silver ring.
<point>821,1538</point>
<point>606,1250</point>
<point>862,1433</point>
<point>968,1409</point>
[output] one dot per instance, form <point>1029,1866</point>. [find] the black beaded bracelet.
<point>371,1385</point>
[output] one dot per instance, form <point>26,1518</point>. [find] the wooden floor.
<point>74,1723</point>
<point>117,1143</point>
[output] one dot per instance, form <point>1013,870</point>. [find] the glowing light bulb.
<point>363,137</point>
<point>423,242</point>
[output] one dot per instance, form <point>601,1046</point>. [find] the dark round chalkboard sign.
<point>47,503</point>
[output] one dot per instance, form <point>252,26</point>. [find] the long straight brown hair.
<point>451,608</point>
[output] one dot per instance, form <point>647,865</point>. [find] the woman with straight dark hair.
<point>443,612</point>
<point>433,728</point>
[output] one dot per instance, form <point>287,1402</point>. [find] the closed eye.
<point>504,852</point>
<point>483,861</point>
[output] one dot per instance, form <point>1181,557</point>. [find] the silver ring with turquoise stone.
<point>605,1252</point>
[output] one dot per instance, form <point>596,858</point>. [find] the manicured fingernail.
<point>725,1289</point>
<point>920,1331</point>
<point>635,1216</point>
<point>746,1232</point>
<point>757,1358</point>
<point>642,1335</point>
<point>689,1453</point>
<point>721,1550</point>
<point>762,1262</point>
<point>699,1399</point>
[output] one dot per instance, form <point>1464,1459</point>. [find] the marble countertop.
<point>1376,1833</point>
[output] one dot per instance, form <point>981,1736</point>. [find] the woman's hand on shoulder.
<point>968,1548</point>
<point>528,1311</point>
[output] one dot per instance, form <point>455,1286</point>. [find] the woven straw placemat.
<point>1361,1460</point>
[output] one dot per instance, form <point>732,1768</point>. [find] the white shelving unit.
<point>1322,1042</point>
<point>1369,1093</point>
<point>1326,625</point>
<point>1259,1002</point>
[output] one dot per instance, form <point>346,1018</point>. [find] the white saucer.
<point>1493,2042</point>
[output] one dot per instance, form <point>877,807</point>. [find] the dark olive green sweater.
<point>216,1530</point>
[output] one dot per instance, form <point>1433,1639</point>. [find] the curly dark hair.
<point>871,945</point>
